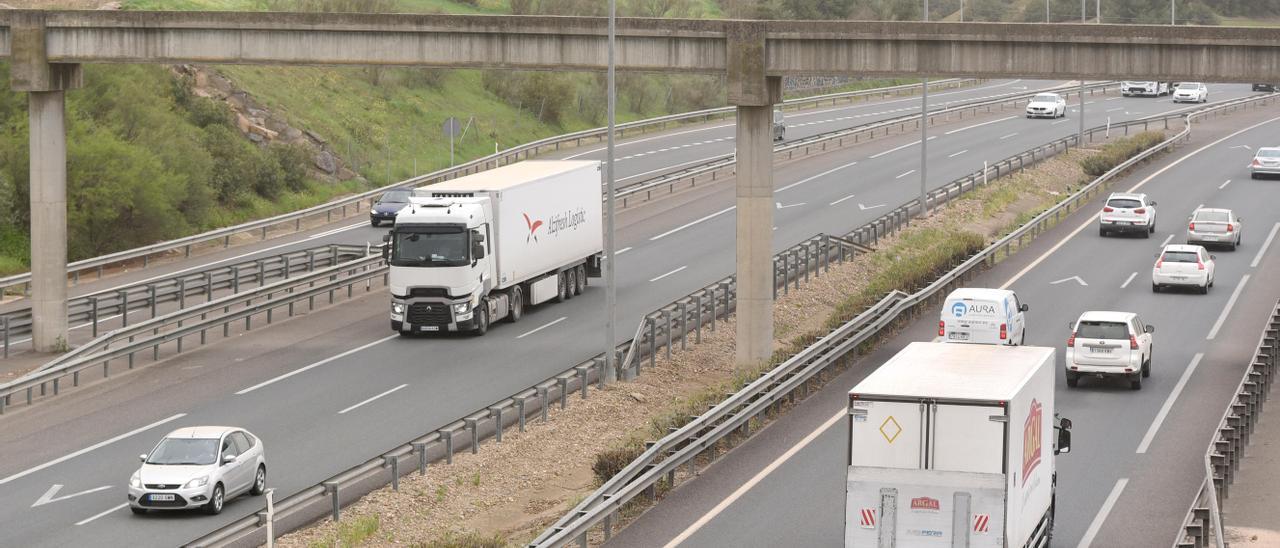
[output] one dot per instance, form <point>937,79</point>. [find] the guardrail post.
<point>420,449</point>
<point>394,463</point>
<point>666,315</point>
<point>448,446</point>
<point>564,391</point>
<point>583,372</point>
<point>331,488</point>
<point>473,426</point>
<point>496,413</point>
<point>124,307</point>
<point>182,305</point>
<point>5,320</point>
<point>546,401</point>
<point>653,345</point>
<point>520,411</point>
<point>684,325</point>
<point>697,320</point>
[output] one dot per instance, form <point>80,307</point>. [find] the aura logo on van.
<point>961,309</point>
<point>1032,439</point>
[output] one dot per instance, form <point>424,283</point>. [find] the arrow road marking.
<point>1246,147</point>
<point>866,207</point>
<point>49,496</point>
<point>1076,278</point>
<point>780,206</point>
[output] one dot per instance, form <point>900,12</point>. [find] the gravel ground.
<point>517,488</point>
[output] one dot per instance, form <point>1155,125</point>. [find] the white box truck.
<point>474,250</point>
<point>948,447</point>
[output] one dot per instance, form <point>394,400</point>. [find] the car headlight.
<point>135,480</point>
<point>397,308</point>
<point>197,482</point>
<point>462,308</point>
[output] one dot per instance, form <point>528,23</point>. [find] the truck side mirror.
<point>477,250</point>
<point>386,247</point>
<point>1064,437</point>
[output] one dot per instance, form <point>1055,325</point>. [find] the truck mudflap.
<point>888,508</point>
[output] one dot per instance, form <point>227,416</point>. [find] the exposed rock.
<point>262,131</point>
<point>243,123</point>
<point>292,134</point>
<point>256,138</point>
<point>324,161</point>
<point>316,137</point>
<point>345,174</point>
<point>638,397</point>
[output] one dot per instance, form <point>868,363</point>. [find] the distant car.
<point>1264,87</point>
<point>1146,89</point>
<point>1214,226</point>
<point>388,205</point>
<point>1265,162</point>
<point>779,126</point>
<point>1047,105</point>
<point>1183,266</point>
<point>1109,344</point>
<point>199,467</point>
<point>1191,92</point>
<point>983,316</point>
<point>1126,212</point>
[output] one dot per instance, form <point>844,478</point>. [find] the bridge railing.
<point>340,208</point>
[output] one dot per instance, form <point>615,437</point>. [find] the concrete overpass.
<point>47,49</point>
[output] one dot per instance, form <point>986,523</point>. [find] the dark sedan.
<point>388,205</point>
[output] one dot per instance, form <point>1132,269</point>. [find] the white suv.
<point>1109,344</point>
<point>1126,212</point>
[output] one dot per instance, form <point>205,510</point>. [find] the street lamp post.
<point>610,288</point>
<point>924,136</point>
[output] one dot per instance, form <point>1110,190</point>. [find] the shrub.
<point>611,461</point>
<point>1114,154</point>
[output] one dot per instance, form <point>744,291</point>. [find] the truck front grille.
<point>428,314</point>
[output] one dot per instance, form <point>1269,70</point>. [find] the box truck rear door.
<point>967,438</point>
<point>887,434</point>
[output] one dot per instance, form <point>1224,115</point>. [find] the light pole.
<point>1173,12</point>
<point>924,136</point>
<point>1080,138</point>
<point>610,288</point>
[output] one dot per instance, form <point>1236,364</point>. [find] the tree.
<point>656,8</point>
<point>816,9</point>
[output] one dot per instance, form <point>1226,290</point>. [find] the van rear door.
<point>971,320</point>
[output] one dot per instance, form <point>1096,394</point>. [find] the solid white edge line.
<point>1127,280</point>
<point>371,399</point>
<point>1094,217</point>
<point>905,174</point>
<point>1168,404</point>
<point>1166,241</point>
<point>1224,185</point>
<point>96,516</point>
<point>621,251</point>
<point>548,324</point>
<point>823,174</point>
<point>689,224</point>
<point>314,365</point>
<point>728,501</point>
<point>1094,527</point>
<point>678,269</point>
<point>1222,318</point>
<point>98,445</point>
<point>958,153</point>
<point>842,199</point>
<point>1258,258</point>
<point>979,125</point>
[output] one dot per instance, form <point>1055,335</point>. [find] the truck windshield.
<point>430,247</point>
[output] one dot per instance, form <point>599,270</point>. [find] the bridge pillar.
<point>46,84</point>
<point>754,93</point>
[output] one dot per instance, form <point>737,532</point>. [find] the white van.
<point>983,316</point>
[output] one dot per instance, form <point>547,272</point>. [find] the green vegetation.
<point>351,532</point>
<point>466,540</point>
<point>1120,151</point>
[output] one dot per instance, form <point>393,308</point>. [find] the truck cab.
<point>445,245</point>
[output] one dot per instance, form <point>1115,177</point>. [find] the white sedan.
<point>1191,92</point>
<point>1183,265</point>
<point>1215,226</point>
<point>198,467</point>
<point>1047,105</point>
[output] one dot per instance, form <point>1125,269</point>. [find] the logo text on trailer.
<point>1032,439</point>
<point>925,504</point>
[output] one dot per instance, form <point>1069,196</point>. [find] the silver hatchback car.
<point>1265,162</point>
<point>1215,226</point>
<point>199,467</point>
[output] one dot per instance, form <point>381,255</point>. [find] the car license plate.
<point>161,498</point>
<point>1100,350</point>
<point>955,336</point>
<point>1125,223</point>
<point>428,328</point>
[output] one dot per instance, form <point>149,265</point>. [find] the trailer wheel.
<point>515,304</point>
<point>580,273</point>
<point>562,287</point>
<point>570,283</point>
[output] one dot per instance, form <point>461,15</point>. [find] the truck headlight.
<point>197,482</point>
<point>462,308</point>
<point>397,308</point>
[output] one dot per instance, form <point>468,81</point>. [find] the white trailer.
<point>477,249</point>
<point>948,448</point>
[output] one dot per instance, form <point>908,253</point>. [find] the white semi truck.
<point>950,446</point>
<point>474,250</point>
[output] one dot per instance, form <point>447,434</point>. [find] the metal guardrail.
<point>193,321</point>
<point>1203,524</point>
<point>669,325</point>
<point>662,459</point>
<point>508,156</point>
<point>117,302</point>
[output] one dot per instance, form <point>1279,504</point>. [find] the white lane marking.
<point>820,175</point>
<point>1222,318</point>
<point>841,200</point>
<point>51,495</point>
<point>910,100</point>
<point>1168,404</point>
<point>742,490</point>
<point>1258,258</point>
<point>689,224</point>
<point>334,231</point>
<point>100,444</point>
<point>1127,280</point>
<point>314,365</point>
<point>967,128</point>
<point>1077,279</point>
<point>866,207</point>
<point>647,139</point>
<point>905,174</point>
<point>621,251</point>
<point>544,326</point>
<point>1224,185</point>
<point>96,516</point>
<point>1008,136</point>
<point>1094,527</point>
<point>1115,109</point>
<point>668,168</point>
<point>895,149</point>
<point>371,399</point>
<point>1166,241</point>
<point>1088,222</point>
<point>678,269</point>
<point>1062,121</point>
<point>780,206</point>
<point>1113,99</point>
<point>958,153</point>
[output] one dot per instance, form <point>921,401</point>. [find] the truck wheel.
<point>570,283</point>
<point>482,318</point>
<point>580,273</point>
<point>515,304</point>
<point>561,287</point>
